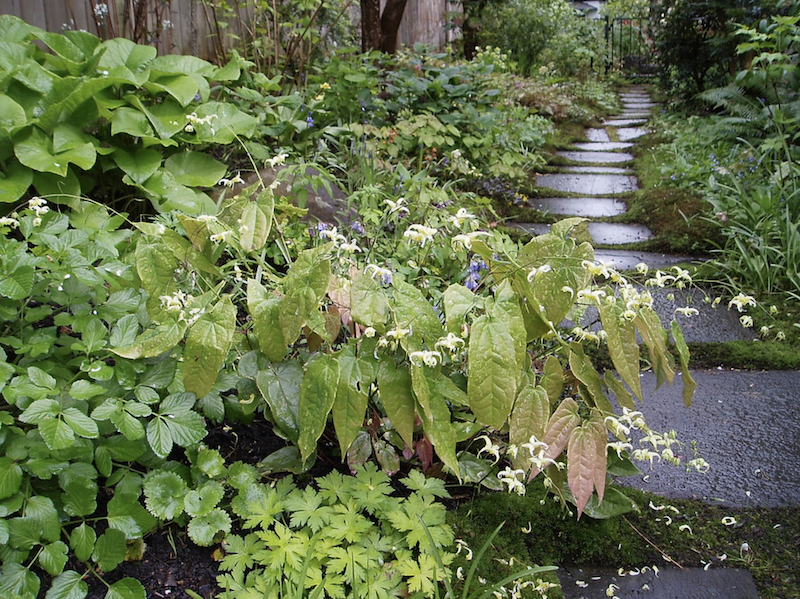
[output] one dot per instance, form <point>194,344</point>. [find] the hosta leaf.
<point>581,366</point>
<point>15,183</point>
<point>164,493</point>
<point>10,477</point>
<point>53,558</point>
<point>397,398</point>
<point>256,222</point>
<point>622,345</point>
<point>369,304</point>
<point>81,541</point>
<point>264,308</point>
<point>280,386</point>
<point>195,169</point>
<point>109,550</point>
<point>528,418</point>
<point>33,147</point>
<point>493,370</point>
<point>127,588</point>
<point>458,301</point>
<point>203,529</point>
<point>207,345</point>
<point>558,430</point>
<point>11,114</point>
<point>140,165</point>
<point>689,384</point>
<point>68,585</point>
<point>317,394</point>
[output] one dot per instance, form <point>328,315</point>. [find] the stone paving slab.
<point>589,184</point>
<point>627,133</point>
<point>670,583</point>
<point>640,104</point>
<point>602,170</point>
<point>615,233</point>
<point>624,122</point>
<point>589,207</point>
<point>742,424</point>
<point>597,135</point>
<point>602,146</point>
<point>633,114</point>
<point>628,259</point>
<point>597,157</point>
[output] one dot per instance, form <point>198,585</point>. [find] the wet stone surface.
<point>597,135</point>
<point>627,133</point>
<point>671,583</point>
<point>628,259</point>
<point>596,157</point>
<point>590,207</point>
<point>614,233</point>
<point>624,122</point>
<point>603,170</point>
<point>589,184</point>
<point>602,146</point>
<point>752,453</point>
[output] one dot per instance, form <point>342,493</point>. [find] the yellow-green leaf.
<point>256,221</point>
<point>207,346</point>
<point>581,366</point>
<point>655,338</point>
<point>349,408</point>
<point>369,304</point>
<point>264,309</point>
<point>317,394</point>
<point>689,384</point>
<point>558,430</point>
<point>154,342</point>
<point>622,345</point>
<point>528,418</point>
<point>397,398</point>
<point>553,379</point>
<point>493,371</point>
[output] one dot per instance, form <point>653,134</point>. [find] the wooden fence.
<point>192,26</point>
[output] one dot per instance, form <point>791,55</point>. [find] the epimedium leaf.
<point>655,338</point>
<point>581,366</point>
<point>256,221</point>
<point>81,541</point>
<point>435,415</point>
<point>581,464</point>
<point>317,394</point>
<point>68,585</point>
<point>558,430</point>
<point>615,503</point>
<point>154,342</point>
<point>369,304</point>
<point>621,342</point>
<point>689,384</point>
<point>458,301</point>
<point>155,265</point>
<point>350,405</point>
<point>528,418</point>
<point>109,550</point>
<point>280,385</point>
<point>164,493</point>
<point>305,285</point>
<point>127,588</point>
<point>493,369</point>
<point>553,379</point>
<point>414,312</point>
<point>622,395</point>
<point>397,398</point>
<point>264,309</point>
<point>207,345</point>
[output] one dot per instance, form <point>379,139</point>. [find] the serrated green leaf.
<point>264,309</point>
<point>615,503</point>
<point>164,494</point>
<point>203,529</point>
<point>186,429</point>
<point>655,338</point>
<point>53,558</point>
<point>207,345</point>
<point>155,265</point>
<point>435,415</point>
<point>80,498</point>
<point>581,366</point>
<point>124,331</point>
<point>210,462</point>
<point>40,378</point>
<point>689,384</point>
<point>109,550</point>
<point>621,394</point>
<point>56,433</point>
<point>397,398</point>
<point>256,222</point>
<point>80,423</point>
<point>369,304</point>
<point>528,419</point>
<point>621,341</point>
<point>559,427</point>
<point>493,370</point>
<point>200,501</point>
<point>40,411</point>
<point>280,385</point>
<point>586,461</point>
<point>317,394</point>
<point>18,284</point>
<point>81,541</point>
<point>458,301</point>
<point>414,312</point>
<point>18,581</point>
<point>83,389</point>
<point>154,342</point>
<point>350,406</point>
<point>159,437</point>
<point>68,585</point>
<point>41,510</point>
<point>305,285</point>
<point>127,588</point>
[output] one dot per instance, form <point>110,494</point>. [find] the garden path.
<point>760,470</point>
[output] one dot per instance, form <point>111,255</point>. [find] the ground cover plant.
<point>412,339</point>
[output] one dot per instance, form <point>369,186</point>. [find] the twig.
<point>653,545</point>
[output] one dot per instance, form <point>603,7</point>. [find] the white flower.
<point>428,358</point>
<point>660,280</point>
<point>729,520</point>
<point>490,448</point>
<point>544,268</point>
<point>461,216</point>
<point>747,321</point>
<point>420,233</point>
<point>9,222</point>
<point>619,447</point>
<point>687,311</point>
<point>596,269</point>
<point>642,268</point>
<point>741,301</point>
<point>231,182</point>
<point>207,218</point>
<point>398,206</point>
<point>350,247</point>
<point>461,544</point>
<point>512,479</point>
<point>465,240</point>
<point>397,334</point>
<point>220,237</point>
<point>451,342</point>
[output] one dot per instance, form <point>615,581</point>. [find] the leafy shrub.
<point>110,118</point>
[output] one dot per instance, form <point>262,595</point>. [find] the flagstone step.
<point>602,146</point>
<point>589,184</point>
<point>601,233</point>
<point>596,157</point>
<point>628,133</point>
<point>628,259</point>
<point>602,170</point>
<point>624,122</point>
<point>597,135</point>
<point>589,207</point>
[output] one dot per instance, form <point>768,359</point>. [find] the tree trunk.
<point>371,36</point>
<point>390,23</point>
